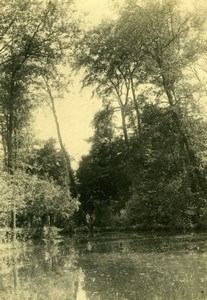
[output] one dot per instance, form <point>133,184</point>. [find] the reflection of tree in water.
<point>41,271</point>
<point>105,275</point>
<point>104,270</point>
<point>144,275</point>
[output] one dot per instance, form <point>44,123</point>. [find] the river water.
<point>104,267</point>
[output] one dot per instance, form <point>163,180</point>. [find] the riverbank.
<point>24,234</point>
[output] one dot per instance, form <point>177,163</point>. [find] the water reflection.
<point>106,267</point>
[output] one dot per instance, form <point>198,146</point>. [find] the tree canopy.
<point>141,65</point>
<point>147,162</point>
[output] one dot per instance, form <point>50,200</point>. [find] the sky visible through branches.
<point>77,108</point>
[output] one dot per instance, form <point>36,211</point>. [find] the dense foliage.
<point>34,42</point>
<point>37,193</point>
<point>147,165</point>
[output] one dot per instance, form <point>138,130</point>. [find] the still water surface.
<point>106,267</point>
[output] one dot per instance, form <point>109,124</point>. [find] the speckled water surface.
<point>104,267</point>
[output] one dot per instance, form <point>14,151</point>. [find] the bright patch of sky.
<point>93,11</point>
<point>76,110</point>
<point>75,113</point>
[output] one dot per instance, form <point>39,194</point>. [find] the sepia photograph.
<point>103,150</point>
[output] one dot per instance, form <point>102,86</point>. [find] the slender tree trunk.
<point>197,178</point>
<point>122,106</point>
<point>136,107</point>
<point>64,153</point>
<point>10,151</point>
<point>124,127</point>
<point>10,127</point>
<point>65,158</point>
<point>190,155</point>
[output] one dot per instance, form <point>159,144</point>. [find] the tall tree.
<point>144,57</point>
<point>100,57</point>
<point>35,31</point>
<point>64,155</point>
